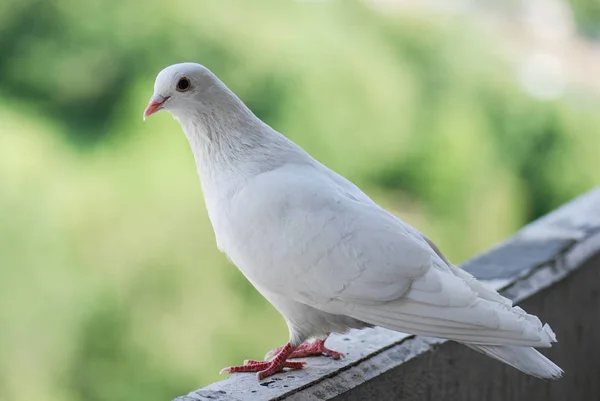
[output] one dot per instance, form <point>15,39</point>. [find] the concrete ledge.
<point>551,267</point>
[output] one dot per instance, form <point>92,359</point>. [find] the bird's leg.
<point>268,368</point>
<point>306,349</point>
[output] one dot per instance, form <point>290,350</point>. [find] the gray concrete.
<point>551,267</point>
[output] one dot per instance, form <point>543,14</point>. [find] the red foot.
<point>306,349</point>
<point>267,368</point>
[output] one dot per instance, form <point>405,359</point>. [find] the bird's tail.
<point>526,359</point>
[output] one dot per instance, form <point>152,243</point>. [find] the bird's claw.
<point>308,349</point>
<point>263,368</point>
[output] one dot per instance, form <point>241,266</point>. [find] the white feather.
<point>527,360</point>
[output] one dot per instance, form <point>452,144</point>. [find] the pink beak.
<point>155,105</point>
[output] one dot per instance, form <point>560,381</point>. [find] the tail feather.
<point>526,359</point>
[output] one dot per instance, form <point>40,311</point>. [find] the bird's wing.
<point>319,243</point>
<point>423,313</point>
<point>332,250</point>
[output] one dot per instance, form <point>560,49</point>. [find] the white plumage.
<point>319,249</point>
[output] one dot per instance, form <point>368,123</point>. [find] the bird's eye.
<point>183,84</point>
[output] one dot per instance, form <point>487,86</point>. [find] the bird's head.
<point>180,89</point>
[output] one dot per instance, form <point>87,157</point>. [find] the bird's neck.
<point>230,144</point>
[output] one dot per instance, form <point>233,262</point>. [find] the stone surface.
<point>382,364</point>
<point>357,345</point>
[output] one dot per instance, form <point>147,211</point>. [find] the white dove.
<point>321,251</point>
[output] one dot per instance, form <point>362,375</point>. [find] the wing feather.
<point>335,246</point>
<point>454,314</point>
<point>343,254</point>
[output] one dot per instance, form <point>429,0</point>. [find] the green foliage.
<point>111,287</point>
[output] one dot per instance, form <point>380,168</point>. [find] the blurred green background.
<point>111,286</point>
